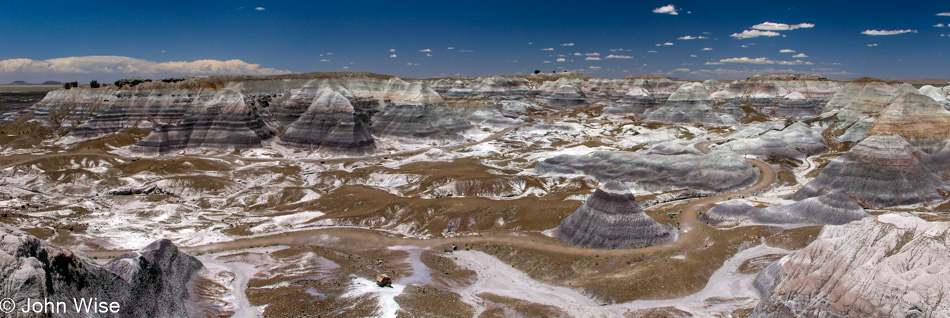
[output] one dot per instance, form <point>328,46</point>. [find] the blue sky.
<point>106,40</point>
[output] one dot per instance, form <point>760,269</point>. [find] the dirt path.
<point>692,231</point>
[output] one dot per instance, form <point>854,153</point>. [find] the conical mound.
<point>611,218</point>
<point>880,171</point>
<point>330,124</point>
<point>918,118</point>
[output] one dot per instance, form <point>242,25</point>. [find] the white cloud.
<point>567,44</point>
<point>392,50</point>
<point>738,73</point>
<point>546,62</point>
<point>578,54</point>
<point>693,55</point>
<point>761,60</point>
<point>887,32</point>
<point>595,67</point>
<point>324,60</point>
<point>667,9</point>
<point>261,9</point>
<point>132,66</point>
<point>799,56</point>
<point>392,55</point>
<point>786,51</point>
<point>939,25</point>
<point>426,50</point>
<point>619,57</point>
<point>715,63</point>
<point>690,37</point>
<point>450,48</point>
<point>651,51</point>
<point>772,26</point>
<point>592,54</point>
<point>668,43</point>
<point>872,44</point>
<point>592,58</point>
<point>466,51</point>
<point>707,49</point>
<point>944,14</point>
<point>748,34</point>
<point>548,49</point>
<point>560,59</point>
<point>429,55</point>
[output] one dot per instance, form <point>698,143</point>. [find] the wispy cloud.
<point>772,26</point>
<point>939,25</point>
<point>668,43</point>
<point>944,14</point>
<point>707,49</point>
<point>748,34</point>
<point>592,54</point>
<point>872,44</point>
<point>124,65</point>
<point>887,32</point>
<point>618,57</point>
<point>592,58</point>
<point>567,44</point>
<point>425,50</point>
<point>690,37</point>
<point>261,9</point>
<point>667,9</point>
<point>786,51</point>
<point>548,49</point>
<point>761,60</point>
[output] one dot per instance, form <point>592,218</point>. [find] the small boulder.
<point>384,280</point>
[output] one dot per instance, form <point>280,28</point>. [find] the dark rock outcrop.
<point>611,218</point>
<point>152,282</point>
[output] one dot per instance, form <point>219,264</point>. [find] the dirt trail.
<point>692,231</point>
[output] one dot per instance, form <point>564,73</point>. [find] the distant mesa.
<point>832,208</point>
<point>880,171</point>
<point>611,218</point>
<point>43,83</point>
